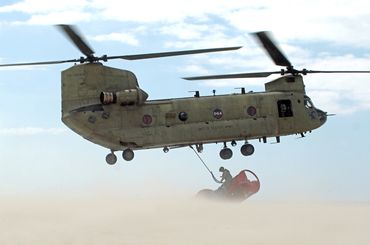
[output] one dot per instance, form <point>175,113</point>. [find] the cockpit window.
<point>308,103</point>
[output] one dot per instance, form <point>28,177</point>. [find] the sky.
<point>39,154</point>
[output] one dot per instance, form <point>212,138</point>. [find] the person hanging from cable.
<point>226,179</point>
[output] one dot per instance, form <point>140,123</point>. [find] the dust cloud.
<point>109,219</point>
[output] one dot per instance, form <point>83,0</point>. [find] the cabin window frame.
<point>285,108</point>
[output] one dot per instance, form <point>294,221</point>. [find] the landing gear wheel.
<point>247,149</point>
<point>226,153</point>
<point>111,159</point>
<point>128,155</point>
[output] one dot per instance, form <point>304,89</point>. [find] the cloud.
<point>185,31</point>
<point>23,68</point>
<point>126,38</point>
<point>157,11</point>
<point>316,20</point>
<point>54,18</point>
<point>41,12</point>
<point>42,6</point>
<point>194,69</point>
<point>313,20</point>
<point>29,131</point>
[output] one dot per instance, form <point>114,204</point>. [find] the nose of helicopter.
<point>322,116</point>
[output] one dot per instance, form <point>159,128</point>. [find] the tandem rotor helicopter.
<point>106,106</point>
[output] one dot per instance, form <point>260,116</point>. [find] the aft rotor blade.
<point>277,56</point>
<point>238,75</point>
<point>174,53</point>
<point>127,57</point>
<point>40,63</point>
<point>77,39</point>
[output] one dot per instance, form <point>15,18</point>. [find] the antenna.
<point>196,93</point>
<point>242,90</point>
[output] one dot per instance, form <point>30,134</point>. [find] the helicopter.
<point>106,106</point>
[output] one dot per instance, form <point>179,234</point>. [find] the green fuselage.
<point>181,121</point>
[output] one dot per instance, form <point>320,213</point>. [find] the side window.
<point>285,108</point>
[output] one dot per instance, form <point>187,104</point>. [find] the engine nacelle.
<point>126,97</point>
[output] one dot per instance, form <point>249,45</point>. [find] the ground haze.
<point>106,219</point>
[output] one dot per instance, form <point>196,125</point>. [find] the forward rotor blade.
<point>314,71</point>
<point>40,63</point>
<point>174,53</point>
<point>77,39</point>
<point>263,74</point>
<point>238,75</point>
<point>277,56</point>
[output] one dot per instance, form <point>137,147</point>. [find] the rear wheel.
<point>111,159</point>
<point>226,153</point>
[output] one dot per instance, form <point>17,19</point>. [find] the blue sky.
<point>40,155</point>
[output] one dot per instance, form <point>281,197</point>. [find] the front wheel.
<point>128,154</point>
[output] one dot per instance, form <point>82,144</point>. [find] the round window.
<point>183,116</point>
<point>251,111</point>
<point>147,119</point>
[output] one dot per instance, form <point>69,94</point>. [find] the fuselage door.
<point>285,116</point>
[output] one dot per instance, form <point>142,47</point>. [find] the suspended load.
<point>240,189</point>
